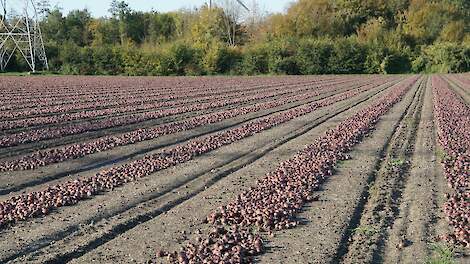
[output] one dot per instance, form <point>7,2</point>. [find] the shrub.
<point>180,59</point>
<point>313,56</point>
<point>221,59</point>
<point>255,60</point>
<point>108,60</point>
<point>138,63</point>
<point>348,57</point>
<point>282,57</point>
<point>446,58</point>
<point>396,63</point>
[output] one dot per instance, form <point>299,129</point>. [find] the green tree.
<point>255,59</point>
<point>162,27</point>
<point>53,28</point>
<point>425,20</point>
<point>348,56</point>
<point>313,55</point>
<point>76,24</point>
<point>221,59</point>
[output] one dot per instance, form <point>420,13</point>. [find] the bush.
<point>108,60</point>
<point>374,58</point>
<point>255,60</point>
<point>282,57</point>
<point>180,59</point>
<point>396,64</point>
<point>69,53</point>
<point>52,52</point>
<point>445,58</point>
<point>221,59</point>
<point>87,64</point>
<point>348,57</point>
<point>139,63</point>
<point>75,60</point>
<point>313,56</point>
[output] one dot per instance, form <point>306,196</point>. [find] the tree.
<point>104,32</point>
<point>162,27</point>
<point>348,56</point>
<point>121,11</point>
<point>454,31</point>
<point>425,20</point>
<point>53,28</point>
<point>232,12</point>
<point>208,25</point>
<point>76,23</point>
<point>313,18</point>
<point>43,7</point>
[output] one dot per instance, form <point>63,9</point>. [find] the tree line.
<point>311,37</point>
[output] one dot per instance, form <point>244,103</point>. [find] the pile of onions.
<point>453,130</point>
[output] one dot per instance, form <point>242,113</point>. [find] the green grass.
<point>39,73</point>
<point>442,254</point>
<point>396,162</point>
<point>366,230</point>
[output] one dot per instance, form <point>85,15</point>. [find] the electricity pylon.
<point>20,32</point>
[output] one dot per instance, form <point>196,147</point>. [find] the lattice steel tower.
<point>20,32</point>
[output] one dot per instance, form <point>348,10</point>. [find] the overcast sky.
<point>100,7</point>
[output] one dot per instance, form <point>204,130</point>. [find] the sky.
<point>100,7</point>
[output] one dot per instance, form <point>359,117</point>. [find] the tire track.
<point>420,220</point>
<point>324,222</point>
<point>380,207</point>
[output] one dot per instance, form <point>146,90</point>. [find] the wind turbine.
<point>243,5</point>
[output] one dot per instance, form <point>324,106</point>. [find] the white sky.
<point>100,8</point>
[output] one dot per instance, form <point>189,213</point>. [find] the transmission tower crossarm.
<point>21,33</point>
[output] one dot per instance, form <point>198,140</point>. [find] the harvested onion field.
<point>313,169</point>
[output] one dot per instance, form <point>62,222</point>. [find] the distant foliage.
<point>311,37</point>
<point>348,57</point>
<point>444,57</point>
<point>255,60</point>
<point>313,56</point>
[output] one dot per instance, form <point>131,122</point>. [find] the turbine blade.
<point>242,4</point>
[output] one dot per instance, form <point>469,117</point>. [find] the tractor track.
<point>341,199</point>
<point>368,231</point>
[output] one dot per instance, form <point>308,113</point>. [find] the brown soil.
<point>382,206</point>
<point>328,222</point>
<point>74,231</point>
<point>20,181</point>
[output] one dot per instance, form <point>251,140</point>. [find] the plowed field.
<point>314,169</point>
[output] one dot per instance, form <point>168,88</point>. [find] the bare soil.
<point>69,230</point>
<point>382,206</point>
